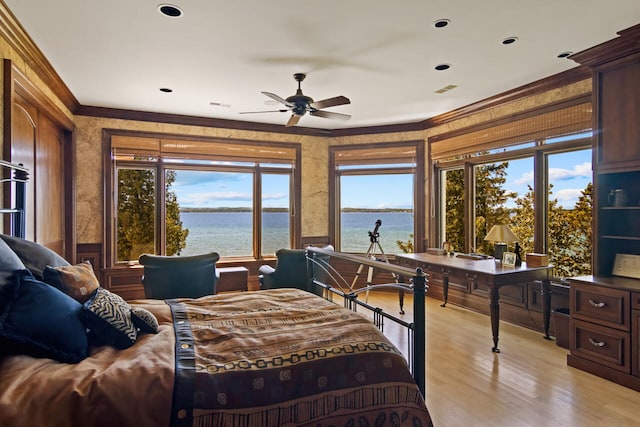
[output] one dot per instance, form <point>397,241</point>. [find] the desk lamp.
<point>500,235</point>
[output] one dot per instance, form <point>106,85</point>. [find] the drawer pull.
<point>597,304</point>
<point>596,343</point>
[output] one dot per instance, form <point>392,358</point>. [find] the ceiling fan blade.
<point>270,111</point>
<point>330,115</point>
<point>330,102</point>
<point>278,98</point>
<point>293,120</point>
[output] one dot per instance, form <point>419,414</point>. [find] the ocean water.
<point>231,233</point>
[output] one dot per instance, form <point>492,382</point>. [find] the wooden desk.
<point>484,272</point>
<point>232,279</point>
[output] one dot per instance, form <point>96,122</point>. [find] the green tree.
<point>176,234</point>
<point>137,212</point>
<point>570,236</point>
<point>569,231</point>
<point>522,220</point>
<point>406,246</point>
<point>490,203</point>
<point>454,209</point>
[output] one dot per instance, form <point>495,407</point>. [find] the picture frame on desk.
<point>509,259</point>
<point>627,265</point>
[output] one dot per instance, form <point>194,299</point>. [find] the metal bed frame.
<point>14,179</point>
<point>333,283</point>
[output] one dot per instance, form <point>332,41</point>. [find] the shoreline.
<point>345,210</point>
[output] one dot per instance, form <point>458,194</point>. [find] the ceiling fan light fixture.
<point>510,40</point>
<point>170,10</point>
<point>441,23</point>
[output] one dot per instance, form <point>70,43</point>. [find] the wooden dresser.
<point>605,328</point>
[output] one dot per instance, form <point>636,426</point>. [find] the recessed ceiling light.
<point>219,104</point>
<point>510,40</point>
<point>441,23</point>
<point>442,67</point>
<point>166,90</point>
<point>170,10</point>
<point>565,54</point>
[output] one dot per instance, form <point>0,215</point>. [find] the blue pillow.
<point>34,255</point>
<point>9,262</point>
<point>39,320</point>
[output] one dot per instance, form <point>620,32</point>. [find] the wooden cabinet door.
<point>38,143</point>
<point>618,114</point>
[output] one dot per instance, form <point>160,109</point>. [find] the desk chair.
<point>168,277</point>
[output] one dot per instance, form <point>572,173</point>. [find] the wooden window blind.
<point>372,155</point>
<point>124,147</point>
<point>559,122</point>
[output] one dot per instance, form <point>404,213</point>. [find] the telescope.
<point>373,235</point>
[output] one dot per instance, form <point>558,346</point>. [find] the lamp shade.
<point>501,233</point>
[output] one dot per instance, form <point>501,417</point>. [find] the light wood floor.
<point>527,384</point>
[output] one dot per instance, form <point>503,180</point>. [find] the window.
<point>570,208</point>
<point>232,197</point>
<point>213,205</point>
<point>501,195</point>
<point>376,184</point>
<point>276,212</point>
<point>542,190</point>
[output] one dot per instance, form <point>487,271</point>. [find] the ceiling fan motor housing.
<point>300,101</point>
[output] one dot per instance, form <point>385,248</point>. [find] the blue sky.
<point>568,172</point>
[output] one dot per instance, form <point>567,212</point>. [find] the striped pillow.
<point>108,318</point>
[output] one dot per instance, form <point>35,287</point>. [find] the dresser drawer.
<point>635,300</point>
<point>607,346</point>
<point>605,306</point>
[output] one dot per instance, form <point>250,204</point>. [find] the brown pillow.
<point>78,281</point>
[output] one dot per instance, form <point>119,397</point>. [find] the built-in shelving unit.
<point>14,179</point>
<point>605,309</point>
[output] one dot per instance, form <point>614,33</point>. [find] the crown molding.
<point>626,44</point>
<point>18,39</point>
<point>143,116</point>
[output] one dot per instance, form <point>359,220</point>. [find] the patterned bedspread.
<point>286,357</point>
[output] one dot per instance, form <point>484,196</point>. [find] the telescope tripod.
<point>375,253</point>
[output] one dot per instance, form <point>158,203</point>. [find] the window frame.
<point>367,168</point>
<point>110,167</point>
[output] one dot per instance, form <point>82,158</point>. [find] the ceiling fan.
<point>300,104</point>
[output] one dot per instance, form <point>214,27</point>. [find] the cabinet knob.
<point>597,304</point>
<point>596,343</point>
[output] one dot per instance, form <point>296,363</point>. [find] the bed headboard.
<point>14,195</point>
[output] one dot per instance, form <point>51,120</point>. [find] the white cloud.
<point>579,171</point>
<point>568,197</point>
<point>207,199</point>
<point>525,179</point>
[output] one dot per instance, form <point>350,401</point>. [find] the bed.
<point>281,357</point>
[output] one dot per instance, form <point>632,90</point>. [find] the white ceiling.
<point>379,53</point>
